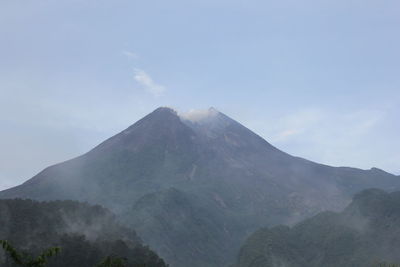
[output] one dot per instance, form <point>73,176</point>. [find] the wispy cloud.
<point>335,138</point>
<point>147,83</point>
<point>314,122</point>
<point>296,124</point>
<point>143,78</point>
<point>130,54</point>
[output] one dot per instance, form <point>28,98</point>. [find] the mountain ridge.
<point>218,165</point>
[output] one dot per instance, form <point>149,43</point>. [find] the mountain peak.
<point>162,116</point>
<point>209,122</point>
<point>165,110</point>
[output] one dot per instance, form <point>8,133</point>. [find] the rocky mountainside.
<point>194,188</point>
<point>366,233</point>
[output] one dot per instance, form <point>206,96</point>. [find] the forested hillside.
<point>86,234</point>
<point>366,233</point>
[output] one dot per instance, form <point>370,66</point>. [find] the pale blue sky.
<point>318,79</point>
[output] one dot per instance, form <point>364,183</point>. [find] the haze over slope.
<point>366,233</point>
<point>218,180</point>
<point>86,234</point>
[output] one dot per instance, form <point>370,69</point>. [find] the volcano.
<point>194,187</point>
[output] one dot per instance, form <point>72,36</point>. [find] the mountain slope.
<point>366,233</point>
<point>182,224</point>
<point>225,171</point>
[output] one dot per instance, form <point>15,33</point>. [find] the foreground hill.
<point>366,233</point>
<point>86,234</point>
<point>194,188</point>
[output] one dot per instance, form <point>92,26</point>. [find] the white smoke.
<point>197,115</point>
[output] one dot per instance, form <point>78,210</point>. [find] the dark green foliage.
<point>366,233</point>
<point>27,260</point>
<point>112,261</point>
<point>86,235</point>
<point>386,264</point>
<point>12,252</point>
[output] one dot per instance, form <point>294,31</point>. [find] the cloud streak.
<point>145,80</point>
<point>296,124</point>
<point>347,138</point>
<point>130,54</point>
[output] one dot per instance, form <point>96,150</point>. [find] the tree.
<point>112,261</point>
<point>27,260</point>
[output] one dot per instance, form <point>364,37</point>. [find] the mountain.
<point>86,234</point>
<point>366,233</point>
<point>171,175</point>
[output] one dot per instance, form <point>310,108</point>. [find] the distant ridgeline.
<point>366,233</point>
<point>86,234</point>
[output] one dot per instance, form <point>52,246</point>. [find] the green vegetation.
<point>112,261</point>
<point>386,264</point>
<point>86,235</point>
<point>27,260</point>
<point>366,233</point>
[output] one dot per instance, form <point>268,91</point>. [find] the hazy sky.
<point>318,79</point>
